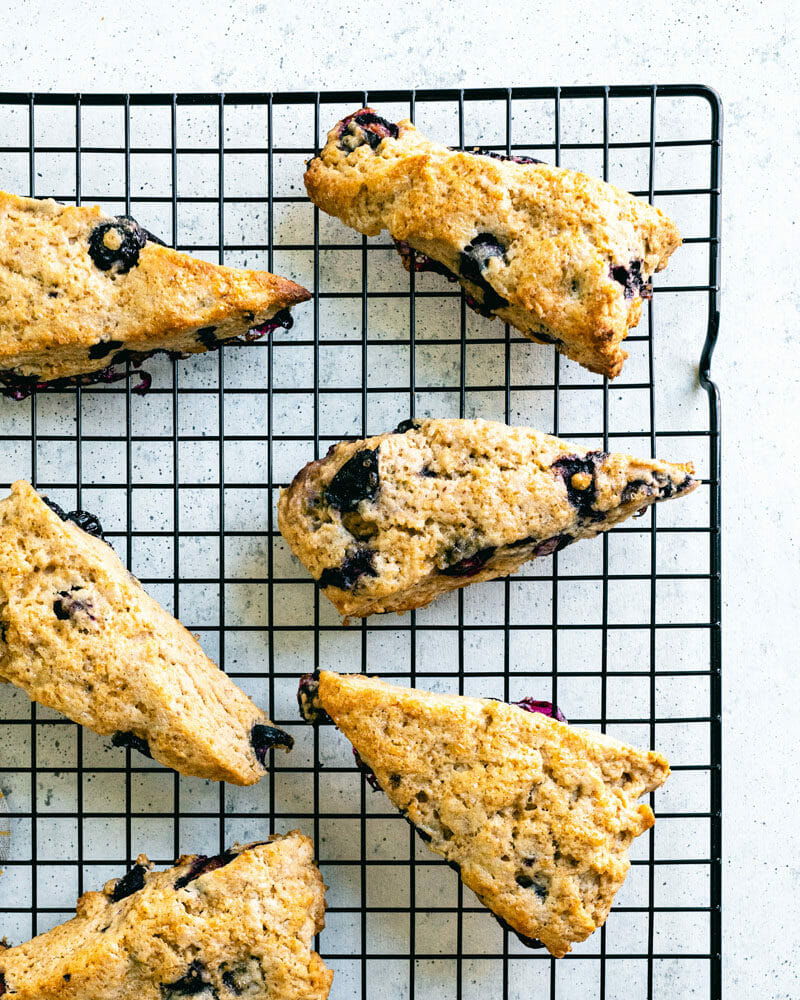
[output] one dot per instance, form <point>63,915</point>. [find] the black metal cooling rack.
<point>624,632</point>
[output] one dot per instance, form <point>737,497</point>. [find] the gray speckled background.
<point>748,51</point>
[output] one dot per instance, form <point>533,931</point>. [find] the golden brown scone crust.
<point>538,815</point>
<point>563,231</point>
<point>56,304</point>
<point>244,929</point>
<point>455,490</point>
<point>80,635</point>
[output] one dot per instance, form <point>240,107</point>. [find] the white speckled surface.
<point>748,51</point>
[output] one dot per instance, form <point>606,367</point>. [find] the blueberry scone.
<point>536,815</point>
<point>81,291</point>
<point>80,635</point>
<point>391,522</point>
<point>238,924</point>
<point>563,257</point>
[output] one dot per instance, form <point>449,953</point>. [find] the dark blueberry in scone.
<point>56,508</point>
<point>87,522</point>
<point>472,564</point>
<point>357,480</point>
<point>116,245</point>
<point>68,607</point>
<point>369,774</point>
<point>264,738</point>
<point>529,942</point>
<point>365,127</point>
<point>542,707</point>
<point>84,520</point>
<point>543,548</point>
<point>480,151</point>
<point>206,336</point>
<point>308,699</point>
<point>243,979</point>
<point>473,262</point>
<point>546,338</point>
<point>634,487</point>
<point>203,864</point>
<point>129,884</point>
<point>282,319</point>
<point>579,477</point>
<point>632,280</point>
<point>19,387</point>
<point>103,348</point>
<point>356,564</point>
<point>526,882</point>
<point>410,424</point>
<point>415,260</point>
<point>190,985</point>
<point>132,741</point>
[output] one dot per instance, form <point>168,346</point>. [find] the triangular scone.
<point>538,816</point>
<point>81,290</point>
<point>563,257</point>
<point>391,522</point>
<point>80,635</point>
<point>238,924</point>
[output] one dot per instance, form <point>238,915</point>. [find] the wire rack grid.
<point>623,632</point>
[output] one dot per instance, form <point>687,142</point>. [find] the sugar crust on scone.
<point>238,924</point>
<point>537,815</point>
<point>79,634</point>
<point>81,290</point>
<point>391,522</point>
<point>562,256</point>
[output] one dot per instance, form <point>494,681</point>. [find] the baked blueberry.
<point>542,707</point>
<point>632,280</point>
<point>243,979</point>
<point>129,884</point>
<point>67,607</point>
<point>283,319</point>
<point>202,864</point>
<point>190,985</point>
<point>131,741</point>
<point>357,480</point>
<point>365,127</point>
<point>206,336</point>
<point>415,260</point>
<point>546,338</point>
<point>404,426</point>
<point>579,478</point>
<point>529,942</point>
<point>367,771</point>
<point>472,564</point>
<point>635,486</point>
<point>473,262</point>
<point>103,348</point>
<point>84,520</point>
<point>116,245</point>
<point>525,881</point>
<point>480,151</point>
<point>264,738</point>
<point>354,566</point>
<point>308,699</point>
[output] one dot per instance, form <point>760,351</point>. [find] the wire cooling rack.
<point>623,632</point>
